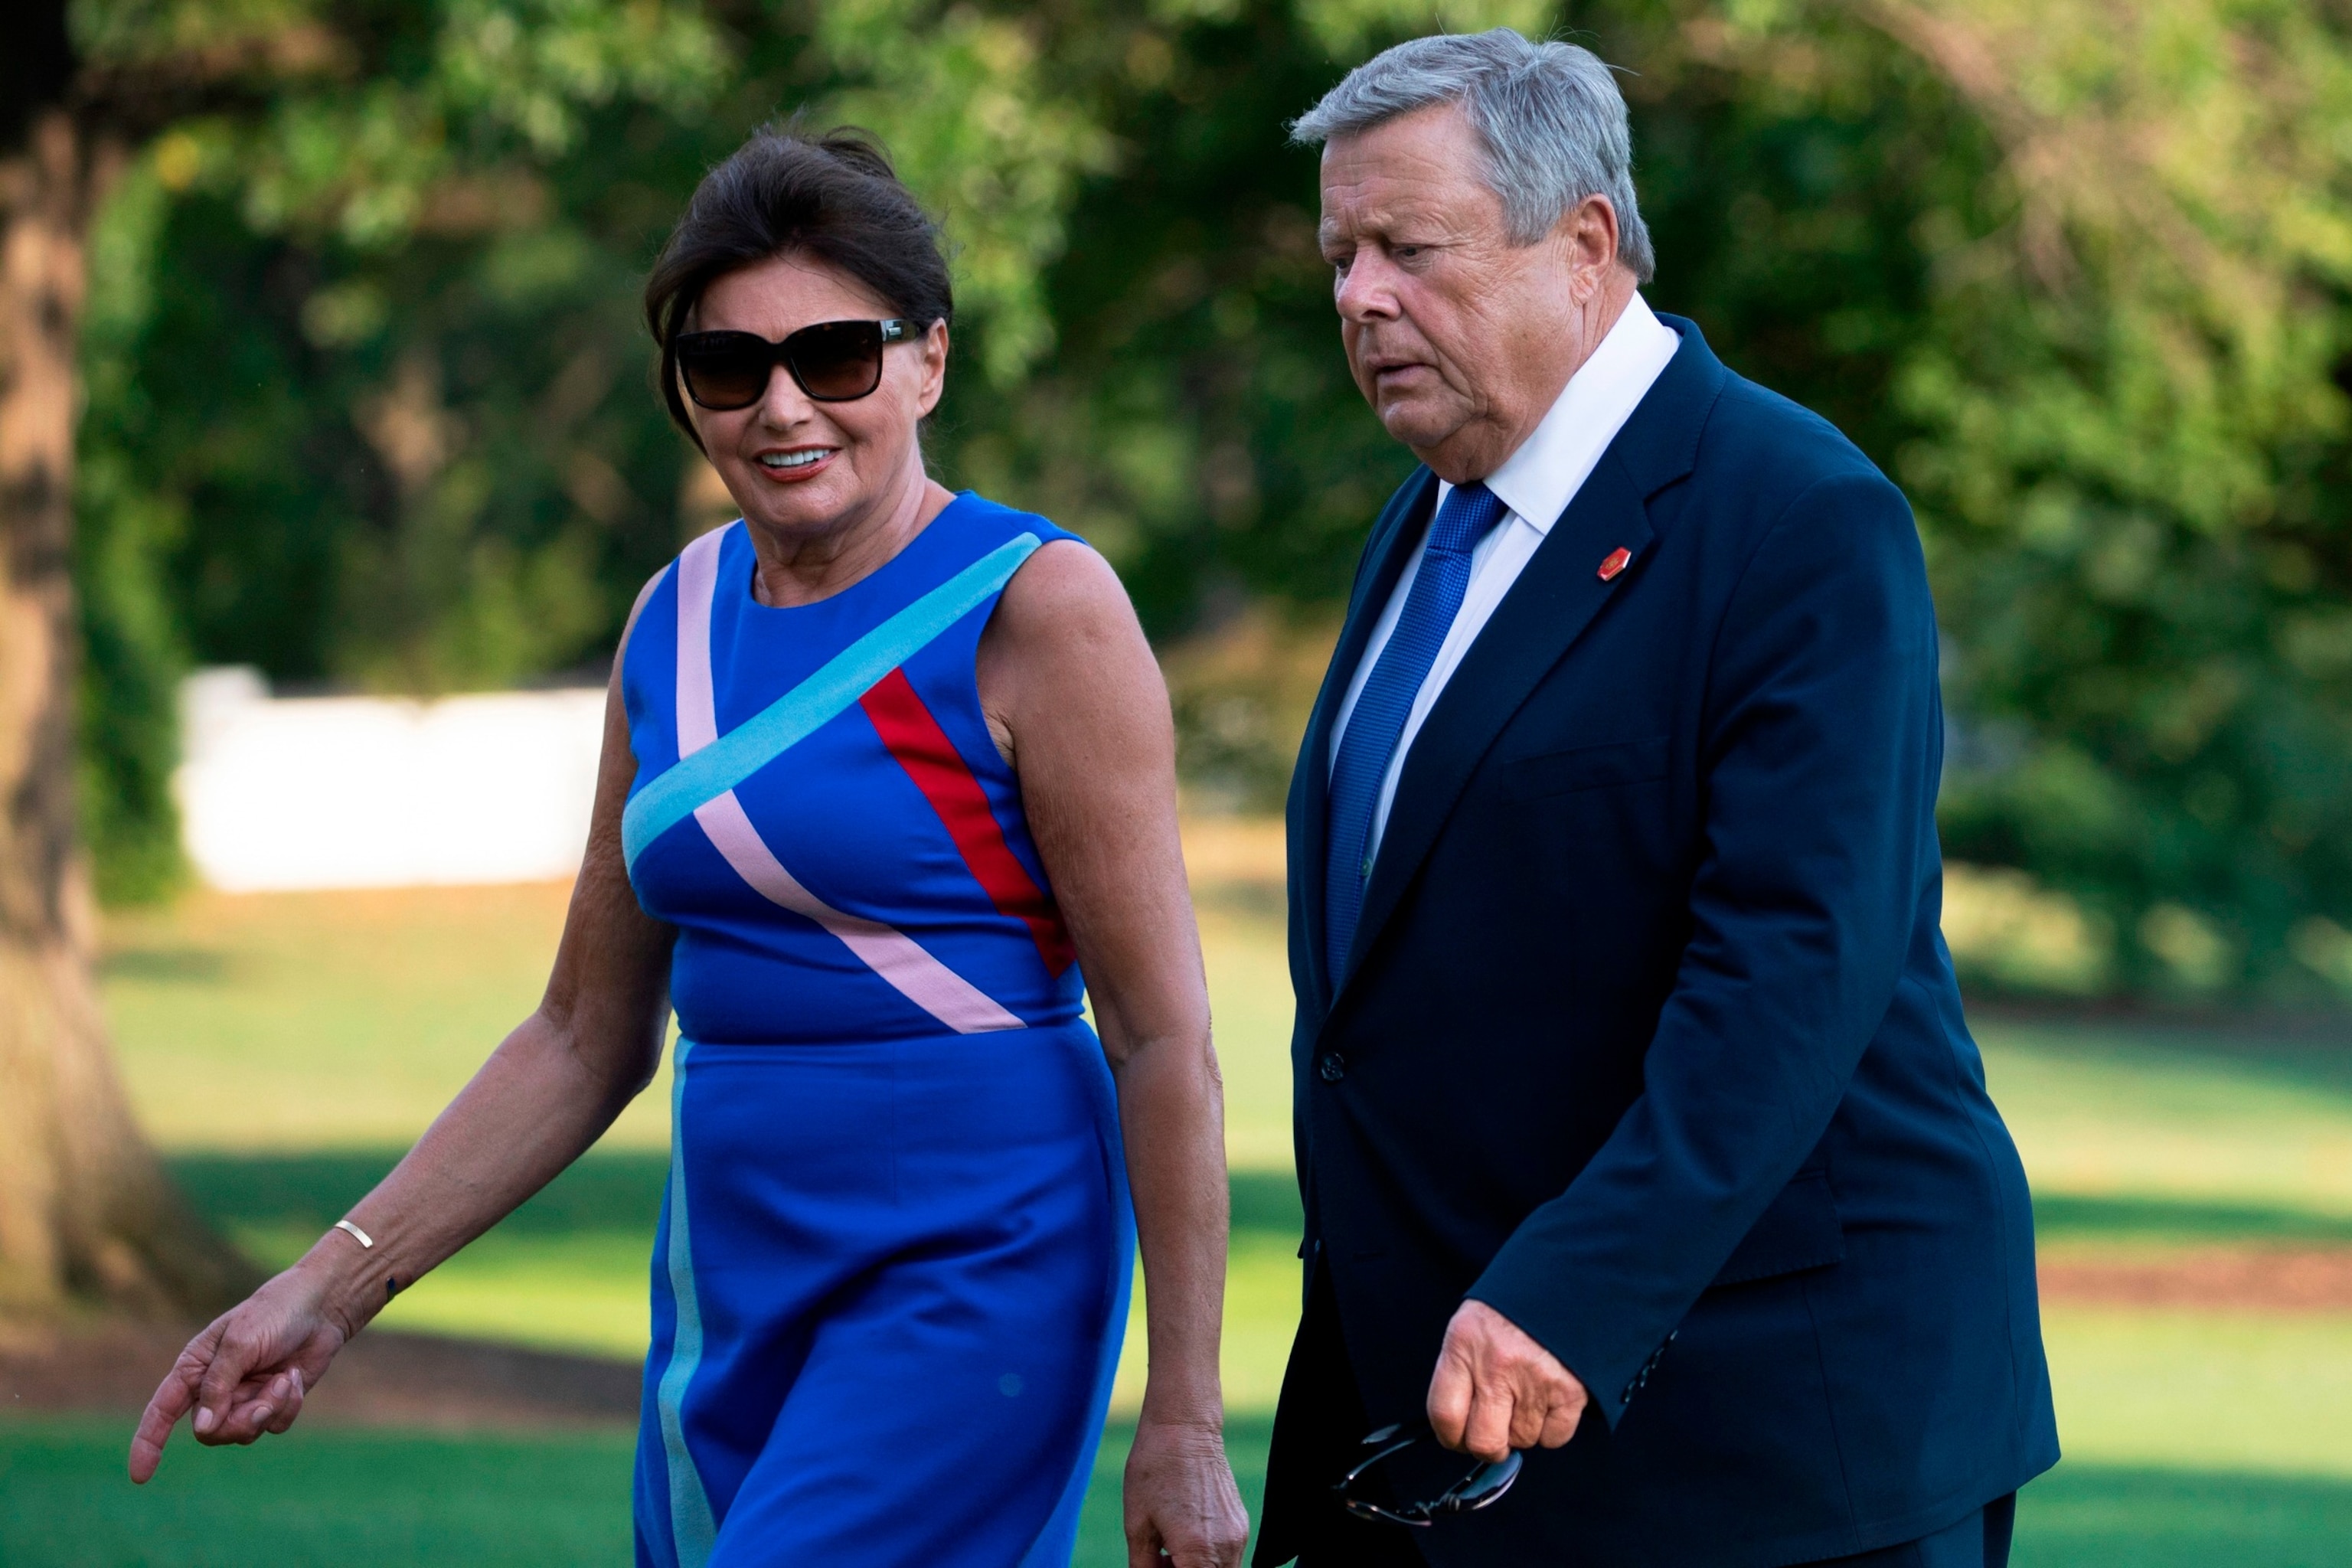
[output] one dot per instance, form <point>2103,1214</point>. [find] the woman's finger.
<point>243,1422</point>
<point>1196,1550</point>
<point>1207,1543</point>
<point>292,1405</point>
<point>254,1408</point>
<point>238,1413</point>
<point>232,1362</point>
<point>173,1397</point>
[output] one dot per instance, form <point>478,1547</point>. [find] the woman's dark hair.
<point>833,197</point>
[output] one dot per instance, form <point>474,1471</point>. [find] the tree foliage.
<point>368,401</point>
<point>2126,420</point>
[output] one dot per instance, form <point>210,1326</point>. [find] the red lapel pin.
<point>1617,561</point>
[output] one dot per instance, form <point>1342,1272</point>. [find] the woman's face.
<point>796,465</point>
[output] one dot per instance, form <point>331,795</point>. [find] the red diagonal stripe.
<point>939,769</point>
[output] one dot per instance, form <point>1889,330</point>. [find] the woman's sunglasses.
<point>1483,1486</point>
<point>833,362</point>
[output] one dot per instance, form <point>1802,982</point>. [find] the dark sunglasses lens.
<point>725,370</point>
<point>1485,1484</point>
<point>837,360</point>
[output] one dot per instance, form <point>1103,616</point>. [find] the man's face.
<point>1459,340</point>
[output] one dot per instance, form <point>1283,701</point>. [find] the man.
<point>1637,1123</point>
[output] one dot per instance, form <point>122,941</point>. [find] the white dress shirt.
<point>1535,482</point>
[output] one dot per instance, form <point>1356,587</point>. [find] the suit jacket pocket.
<point>1584,767</point>
<point>1800,1230</point>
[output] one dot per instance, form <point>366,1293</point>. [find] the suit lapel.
<point>1393,536</point>
<point>1539,620</point>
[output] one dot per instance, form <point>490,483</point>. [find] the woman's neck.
<point>801,566</point>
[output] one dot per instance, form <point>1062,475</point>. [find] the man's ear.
<point>1587,233</point>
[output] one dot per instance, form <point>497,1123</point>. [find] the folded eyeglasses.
<point>1482,1487</point>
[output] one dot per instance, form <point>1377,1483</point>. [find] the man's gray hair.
<point>1551,116</point>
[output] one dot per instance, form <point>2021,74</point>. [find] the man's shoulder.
<point>1767,469</point>
<point>1773,448</point>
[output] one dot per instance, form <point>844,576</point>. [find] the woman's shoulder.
<point>658,604</point>
<point>1062,600</point>
<point>977,513</point>
<point>1052,589</point>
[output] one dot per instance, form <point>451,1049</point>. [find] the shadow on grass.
<point>1267,1201</point>
<point>175,965</point>
<point>617,1190</point>
<point>2308,1051</point>
<point>622,1190</point>
<point>2075,1218</point>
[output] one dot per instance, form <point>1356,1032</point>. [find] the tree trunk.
<point>86,1210</point>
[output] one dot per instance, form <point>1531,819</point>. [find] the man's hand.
<point>1496,1389</point>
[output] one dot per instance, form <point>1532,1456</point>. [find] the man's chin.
<point>1416,424</point>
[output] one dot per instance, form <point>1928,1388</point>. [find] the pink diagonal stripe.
<point>697,584</point>
<point>889,952</point>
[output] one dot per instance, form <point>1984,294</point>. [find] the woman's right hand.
<point>248,1373</point>
<point>547,1093</point>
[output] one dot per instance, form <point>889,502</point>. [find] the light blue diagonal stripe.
<point>692,1530</point>
<point>800,712</point>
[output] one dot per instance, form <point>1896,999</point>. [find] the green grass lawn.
<point>333,1497</point>
<point>2198,1118</point>
<point>283,1049</point>
<point>337,1497</point>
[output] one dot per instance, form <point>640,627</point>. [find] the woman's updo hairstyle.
<point>832,197</point>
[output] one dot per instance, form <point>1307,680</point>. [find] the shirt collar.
<point>1539,481</point>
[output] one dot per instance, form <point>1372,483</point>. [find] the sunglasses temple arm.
<point>1349,1479</point>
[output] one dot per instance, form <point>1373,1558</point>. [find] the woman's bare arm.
<point>548,1092</point>
<point>545,1094</point>
<point>1073,690</point>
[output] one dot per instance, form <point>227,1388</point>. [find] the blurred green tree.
<point>375,414</point>
<point>2120,409</point>
<point>2077,282</point>
<point>362,121</point>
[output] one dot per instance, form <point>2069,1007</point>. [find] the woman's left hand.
<point>1076,700</point>
<point>1183,1507</point>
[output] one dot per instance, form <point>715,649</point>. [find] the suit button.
<point>1333,1066</point>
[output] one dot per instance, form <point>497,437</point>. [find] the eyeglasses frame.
<point>894,330</point>
<point>1459,1498</point>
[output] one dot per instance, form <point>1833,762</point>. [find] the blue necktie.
<point>1386,701</point>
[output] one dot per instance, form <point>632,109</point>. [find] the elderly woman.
<point>886,770</point>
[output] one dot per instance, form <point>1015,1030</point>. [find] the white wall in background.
<point>370,792</point>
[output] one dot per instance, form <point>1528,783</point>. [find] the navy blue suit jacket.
<point>1650,1039</point>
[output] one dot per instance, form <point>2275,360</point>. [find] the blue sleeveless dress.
<point>891,1279</point>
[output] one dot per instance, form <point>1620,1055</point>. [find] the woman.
<point>885,770</point>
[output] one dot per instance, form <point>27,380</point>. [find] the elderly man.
<point>1637,1123</point>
